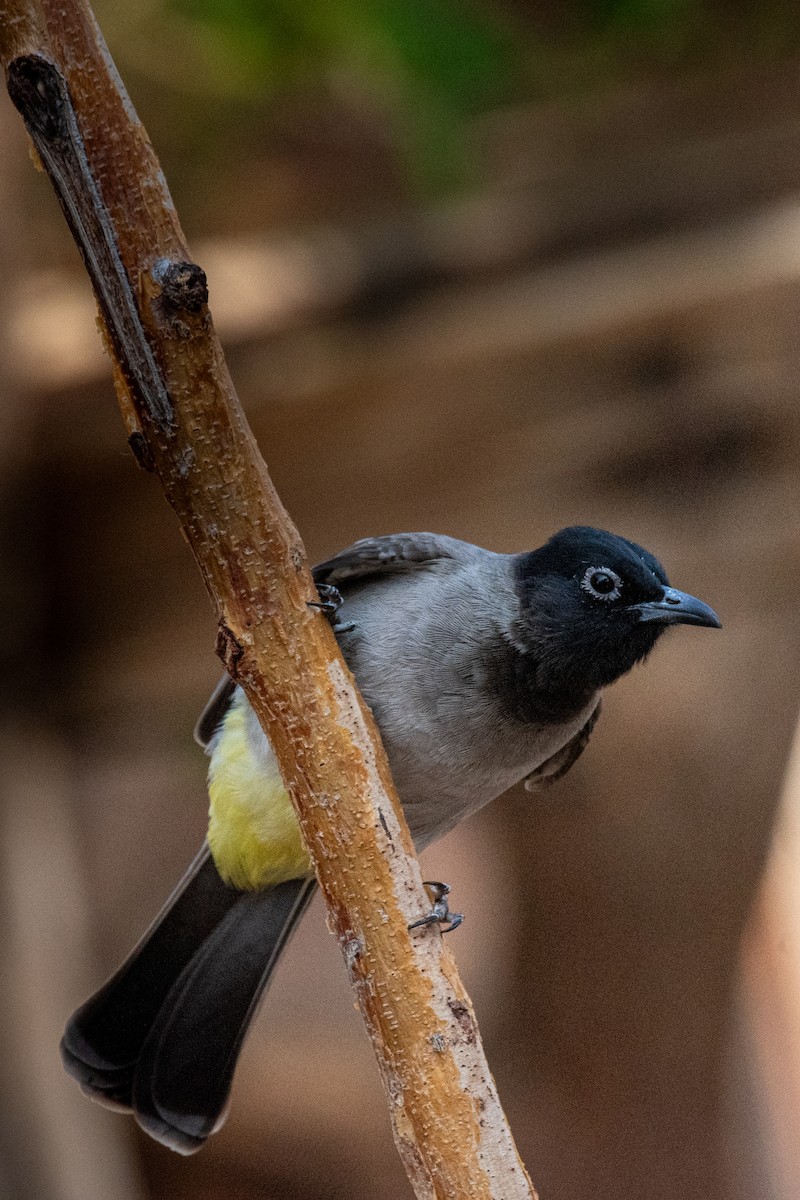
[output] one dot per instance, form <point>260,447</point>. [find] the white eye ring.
<point>589,587</point>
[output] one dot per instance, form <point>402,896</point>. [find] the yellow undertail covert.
<point>253,832</point>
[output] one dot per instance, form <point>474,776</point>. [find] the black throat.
<point>516,678</point>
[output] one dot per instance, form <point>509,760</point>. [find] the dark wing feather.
<point>555,767</point>
<point>391,555</point>
<point>211,717</point>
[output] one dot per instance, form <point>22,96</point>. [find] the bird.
<point>482,670</point>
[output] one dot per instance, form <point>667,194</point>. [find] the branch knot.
<point>183,284</point>
<point>229,649</point>
<point>38,91</point>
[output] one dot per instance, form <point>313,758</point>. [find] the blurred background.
<point>487,268</point>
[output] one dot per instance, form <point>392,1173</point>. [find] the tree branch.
<point>184,422</point>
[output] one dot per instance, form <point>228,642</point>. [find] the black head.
<point>593,605</point>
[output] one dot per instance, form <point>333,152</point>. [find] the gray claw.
<point>440,912</point>
<point>330,601</point>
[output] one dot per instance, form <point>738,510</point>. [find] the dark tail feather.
<point>105,1036</point>
<point>162,1036</point>
<point>186,1067</point>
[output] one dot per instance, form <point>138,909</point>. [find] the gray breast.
<point>419,655</point>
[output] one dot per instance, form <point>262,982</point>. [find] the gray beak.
<point>677,608</point>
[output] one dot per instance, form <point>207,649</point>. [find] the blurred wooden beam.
<point>53,1148</point>
<point>262,290</point>
<point>770,1000</point>
<point>691,184</point>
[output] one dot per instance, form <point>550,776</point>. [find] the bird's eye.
<point>602,583</point>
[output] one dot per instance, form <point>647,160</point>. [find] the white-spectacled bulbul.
<point>481,669</point>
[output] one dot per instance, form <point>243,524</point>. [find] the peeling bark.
<point>184,422</point>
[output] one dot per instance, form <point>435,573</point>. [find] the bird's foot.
<point>440,913</point>
<point>330,601</point>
